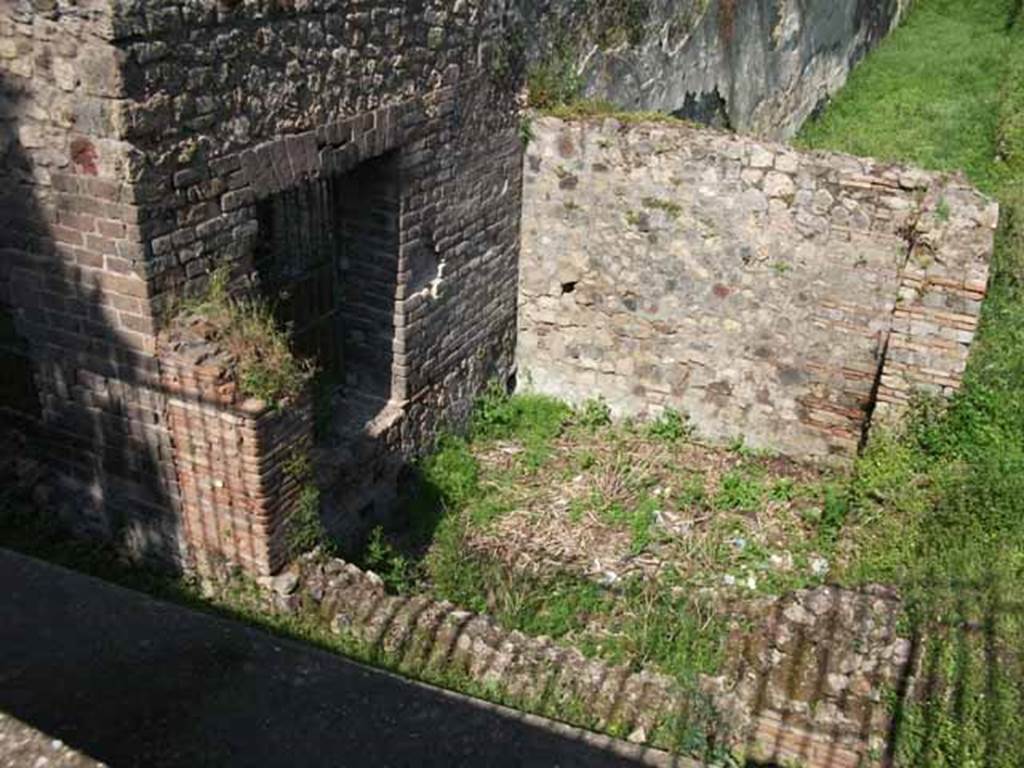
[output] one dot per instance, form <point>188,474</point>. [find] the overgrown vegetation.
<point>265,366</point>
<point>938,506</point>
<point>718,524</point>
<point>555,80</point>
<point>305,531</point>
<point>575,107</point>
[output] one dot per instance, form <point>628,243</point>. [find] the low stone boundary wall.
<point>769,294</point>
<point>800,683</point>
<point>422,633</point>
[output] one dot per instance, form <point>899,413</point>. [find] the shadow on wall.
<point>80,387</point>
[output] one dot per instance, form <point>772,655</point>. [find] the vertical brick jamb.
<point>942,285</point>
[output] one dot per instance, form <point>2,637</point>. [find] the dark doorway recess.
<point>328,261</point>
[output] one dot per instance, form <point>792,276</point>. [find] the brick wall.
<point>942,286</point>
<point>74,272</point>
<point>235,459</point>
<point>768,293</point>
<point>143,140</point>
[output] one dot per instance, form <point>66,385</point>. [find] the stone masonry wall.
<point>800,683</point>
<point>315,93</point>
<point>73,271</point>
<point>139,139</point>
<point>768,294</point>
<point>757,66</point>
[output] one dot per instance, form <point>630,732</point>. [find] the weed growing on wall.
<point>265,366</point>
<point>304,528</point>
<point>555,80</point>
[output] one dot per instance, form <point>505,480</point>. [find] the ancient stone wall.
<point>758,66</point>
<point>800,683</point>
<point>769,294</point>
<point>73,271</point>
<point>146,141</point>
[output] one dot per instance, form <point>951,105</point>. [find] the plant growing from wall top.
<point>264,365</point>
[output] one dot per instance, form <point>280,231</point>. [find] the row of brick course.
<point>235,459</point>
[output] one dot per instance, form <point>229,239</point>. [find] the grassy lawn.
<point>939,508</point>
<point>929,94</point>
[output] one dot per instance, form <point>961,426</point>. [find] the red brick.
<point>138,323</point>
<point>83,222</point>
<point>118,265</point>
<point>112,229</point>
<point>67,235</point>
<point>100,244</point>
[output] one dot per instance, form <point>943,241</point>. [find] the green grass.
<point>638,624</point>
<point>929,94</point>
<point>264,365</point>
<point>938,506</point>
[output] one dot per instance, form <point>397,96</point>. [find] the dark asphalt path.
<point>135,682</point>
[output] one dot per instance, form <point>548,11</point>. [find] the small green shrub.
<point>396,571</point>
<point>783,490</point>
<point>594,414</point>
<point>501,416</point>
<point>833,515</point>
<point>265,366</point>
<point>555,80</point>
<point>692,493</point>
<point>304,528</point>
<point>739,491</point>
<point>526,134</point>
<point>670,427</point>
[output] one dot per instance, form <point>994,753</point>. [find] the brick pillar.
<point>233,458</point>
<point>942,287</point>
